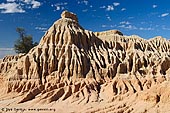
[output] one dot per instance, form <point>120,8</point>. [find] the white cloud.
<point>62,3</point>
<point>104,26</point>
<point>116,4</point>
<point>146,29</point>
<point>109,18</point>
<point>26,1</point>
<point>6,51</point>
<point>11,0</point>
<point>109,8</point>
<point>164,14</point>
<point>131,17</point>
<point>60,6</point>
<point>127,25</point>
<point>103,7</point>
<point>165,28</point>
<point>43,29</point>
<point>125,22</point>
<point>11,8</point>
<point>130,27</point>
<point>18,6</point>
<point>143,22</point>
<point>108,26</point>
<point>154,6</point>
<point>35,4</point>
<point>85,10</point>
<point>123,9</point>
<point>112,26</point>
<point>83,2</point>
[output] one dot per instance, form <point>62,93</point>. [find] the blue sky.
<point>146,18</point>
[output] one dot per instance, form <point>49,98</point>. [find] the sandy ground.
<point>139,102</point>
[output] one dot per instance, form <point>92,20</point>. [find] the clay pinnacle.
<point>66,14</point>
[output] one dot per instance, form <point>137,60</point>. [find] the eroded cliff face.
<point>76,65</point>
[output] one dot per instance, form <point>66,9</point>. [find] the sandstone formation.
<point>109,32</point>
<point>97,72</point>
